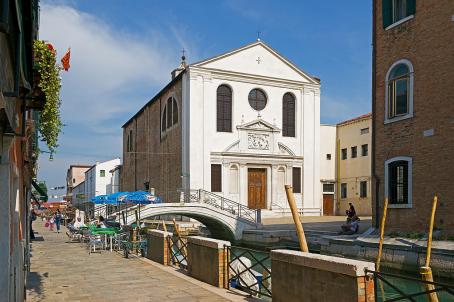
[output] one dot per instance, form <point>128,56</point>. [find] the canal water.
<point>406,286</point>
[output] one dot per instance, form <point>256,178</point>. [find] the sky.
<point>122,53</point>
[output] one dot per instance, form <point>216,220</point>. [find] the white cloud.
<point>107,65</point>
<point>113,73</point>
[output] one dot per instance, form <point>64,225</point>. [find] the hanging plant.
<point>48,80</point>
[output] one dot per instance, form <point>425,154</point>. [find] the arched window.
<point>169,114</point>
<point>398,181</point>
<point>257,99</point>
<point>233,179</point>
<point>224,109</point>
<point>288,115</point>
<point>164,119</point>
<point>399,91</point>
<point>175,112</point>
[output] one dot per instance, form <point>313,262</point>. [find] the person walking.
<point>58,218</point>
<point>51,222</point>
<point>32,218</point>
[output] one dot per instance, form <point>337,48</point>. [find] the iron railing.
<point>177,249</point>
<point>248,272</point>
<point>233,207</point>
<point>404,288</point>
<point>202,196</point>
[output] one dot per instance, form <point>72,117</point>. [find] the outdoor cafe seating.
<point>113,237</point>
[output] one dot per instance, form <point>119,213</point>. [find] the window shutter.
<point>216,178</point>
<point>288,115</point>
<point>224,109</point>
<point>387,10</point>
<point>4,16</point>
<point>296,180</point>
<point>411,7</point>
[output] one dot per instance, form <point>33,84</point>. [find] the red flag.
<point>65,60</point>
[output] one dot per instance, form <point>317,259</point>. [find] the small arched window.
<point>175,112</point>
<point>399,91</point>
<point>257,99</point>
<point>224,109</point>
<point>288,115</point>
<point>233,179</point>
<point>169,114</point>
<point>398,181</point>
<point>164,119</point>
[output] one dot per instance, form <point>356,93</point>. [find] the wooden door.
<point>328,204</point>
<point>257,188</point>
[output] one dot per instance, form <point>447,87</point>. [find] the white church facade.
<point>242,124</point>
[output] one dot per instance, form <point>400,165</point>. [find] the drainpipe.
<point>338,157</point>
<point>374,117</point>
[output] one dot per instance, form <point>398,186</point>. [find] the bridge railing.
<point>217,201</point>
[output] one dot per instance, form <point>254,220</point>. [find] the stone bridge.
<point>224,218</point>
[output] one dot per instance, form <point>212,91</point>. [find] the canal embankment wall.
<point>323,276</point>
<point>398,253</point>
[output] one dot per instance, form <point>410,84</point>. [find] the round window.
<point>257,99</point>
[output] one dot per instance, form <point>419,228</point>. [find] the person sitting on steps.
<point>351,227</point>
<point>351,212</point>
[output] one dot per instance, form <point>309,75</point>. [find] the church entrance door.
<point>256,188</point>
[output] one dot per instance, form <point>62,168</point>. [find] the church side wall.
<point>155,157</point>
<point>311,145</point>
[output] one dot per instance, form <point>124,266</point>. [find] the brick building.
<point>150,156</point>
<point>413,112</point>
<point>74,176</point>
<point>18,141</point>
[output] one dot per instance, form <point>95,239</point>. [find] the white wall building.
<point>328,161</point>
<point>78,194</point>
<point>114,185</point>
<point>251,124</point>
<point>98,178</point>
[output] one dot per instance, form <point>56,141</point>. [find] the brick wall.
<point>207,260</point>
<point>154,157</point>
<point>299,276</point>
<point>425,40</point>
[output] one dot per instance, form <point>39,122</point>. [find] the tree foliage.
<point>45,58</point>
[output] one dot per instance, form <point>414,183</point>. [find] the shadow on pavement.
<point>35,281</point>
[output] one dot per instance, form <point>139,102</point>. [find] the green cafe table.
<point>107,233</point>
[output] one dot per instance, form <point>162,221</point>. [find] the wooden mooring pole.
<point>426,271</point>
<point>296,219</point>
<point>380,244</point>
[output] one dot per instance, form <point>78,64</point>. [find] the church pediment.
<point>258,125</point>
<point>257,59</point>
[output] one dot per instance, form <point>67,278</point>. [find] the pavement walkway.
<point>313,223</point>
<point>62,271</point>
